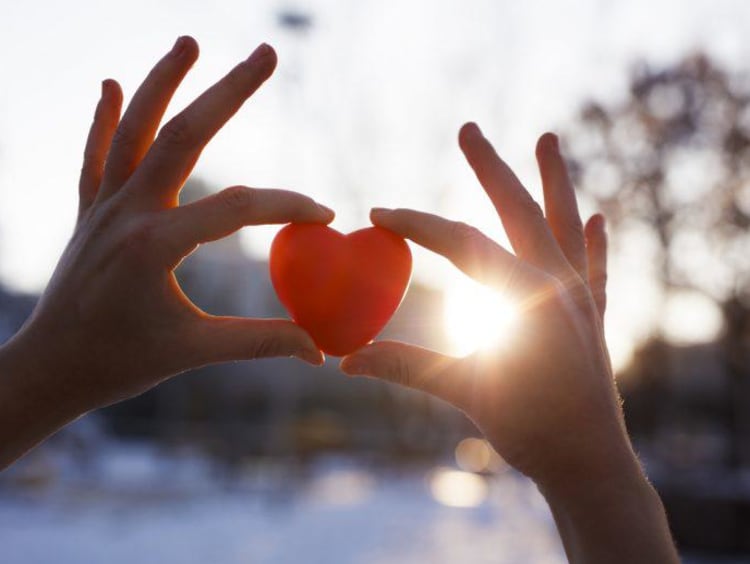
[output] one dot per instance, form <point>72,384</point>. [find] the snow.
<point>137,504</point>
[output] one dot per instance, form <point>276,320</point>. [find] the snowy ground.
<point>135,505</point>
<point>138,507</point>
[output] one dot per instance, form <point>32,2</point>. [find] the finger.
<point>596,248</point>
<point>522,217</point>
<point>560,203</point>
<point>106,117</point>
<point>138,126</point>
<point>222,339</point>
<point>467,248</point>
<point>181,140</point>
<point>413,367</point>
<point>224,213</point>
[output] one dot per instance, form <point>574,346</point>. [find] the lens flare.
<point>475,316</point>
<point>455,488</point>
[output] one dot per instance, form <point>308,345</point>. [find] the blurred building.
<point>284,406</point>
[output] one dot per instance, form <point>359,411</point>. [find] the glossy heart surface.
<point>342,289</point>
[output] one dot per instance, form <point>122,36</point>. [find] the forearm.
<point>619,519</point>
<point>33,399</point>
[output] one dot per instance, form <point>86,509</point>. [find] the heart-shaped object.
<point>341,289</point>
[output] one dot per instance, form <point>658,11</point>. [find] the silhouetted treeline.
<point>669,164</point>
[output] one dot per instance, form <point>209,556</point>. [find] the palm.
<point>552,376</point>
<point>113,309</point>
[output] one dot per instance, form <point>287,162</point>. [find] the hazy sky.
<point>363,110</point>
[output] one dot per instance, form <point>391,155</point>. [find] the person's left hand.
<point>113,321</point>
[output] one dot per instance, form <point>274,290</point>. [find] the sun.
<point>475,317</point>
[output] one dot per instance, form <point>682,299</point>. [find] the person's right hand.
<point>546,400</point>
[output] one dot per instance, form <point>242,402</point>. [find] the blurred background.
<point>272,461</point>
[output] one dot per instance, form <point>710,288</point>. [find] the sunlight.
<point>455,488</point>
<point>475,316</point>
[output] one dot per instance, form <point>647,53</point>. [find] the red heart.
<point>342,289</point>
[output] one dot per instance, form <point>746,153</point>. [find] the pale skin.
<point>546,401</point>
<point>113,321</point>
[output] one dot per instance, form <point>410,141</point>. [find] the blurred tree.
<point>670,164</point>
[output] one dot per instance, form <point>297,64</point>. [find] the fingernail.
<point>354,366</point>
<point>327,210</point>
<point>472,128</point>
<point>311,356</point>
<point>107,85</point>
<point>554,142</point>
<point>379,211</point>
<point>263,50</point>
<point>179,46</point>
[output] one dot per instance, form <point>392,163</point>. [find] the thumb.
<point>411,366</point>
<point>221,339</point>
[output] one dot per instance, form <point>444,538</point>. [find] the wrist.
<point>36,400</point>
<point>616,516</point>
<point>611,467</point>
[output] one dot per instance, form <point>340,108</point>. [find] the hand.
<point>546,400</point>
<point>551,385</point>
<point>113,321</point>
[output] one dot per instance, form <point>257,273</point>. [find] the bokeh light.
<point>456,488</point>
<point>477,455</point>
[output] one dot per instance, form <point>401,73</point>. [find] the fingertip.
<point>354,365</point>
<point>271,59</point>
<point>378,214</point>
<point>190,46</point>
<point>311,356</point>
<point>110,101</point>
<point>324,214</point>
<point>596,223</point>
<point>468,131</point>
<point>548,142</point>
<point>185,47</point>
<point>265,57</point>
<point>304,347</point>
<point>110,88</point>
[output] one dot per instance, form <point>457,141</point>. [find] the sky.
<point>363,110</point>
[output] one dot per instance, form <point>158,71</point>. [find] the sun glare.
<point>475,316</point>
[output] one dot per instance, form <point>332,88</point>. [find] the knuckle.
<point>139,240</point>
<point>124,137</point>
<point>467,237</point>
<point>573,230</point>
<point>237,79</point>
<point>237,197</point>
<point>474,249</point>
<point>531,245</point>
<point>266,346</point>
<point>107,217</point>
<point>599,280</point>
<point>529,206</point>
<point>400,370</point>
<point>178,132</point>
<point>552,296</point>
